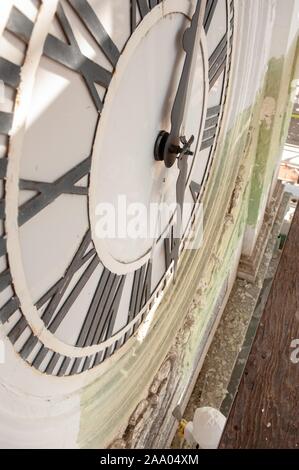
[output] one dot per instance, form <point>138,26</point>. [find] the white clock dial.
<point>101,92</point>
<point>137,107</point>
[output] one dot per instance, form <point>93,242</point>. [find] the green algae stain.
<point>275,118</point>
<point>267,124</point>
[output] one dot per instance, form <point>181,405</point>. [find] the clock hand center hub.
<point>175,150</point>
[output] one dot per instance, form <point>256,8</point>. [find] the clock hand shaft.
<point>180,192</point>
<point>158,219</point>
<point>180,196</point>
<point>191,43</point>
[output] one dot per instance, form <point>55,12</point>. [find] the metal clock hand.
<point>180,196</point>
<point>191,43</point>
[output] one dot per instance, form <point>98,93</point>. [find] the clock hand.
<point>180,196</point>
<point>156,229</point>
<point>166,147</point>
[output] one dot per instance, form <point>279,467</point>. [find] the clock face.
<point>103,90</point>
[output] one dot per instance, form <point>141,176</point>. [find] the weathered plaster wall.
<point>274,115</point>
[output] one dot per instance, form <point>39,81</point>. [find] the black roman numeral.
<point>209,13</point>
<point>211,125</point>
<point>143,7</point>
<point>5,279</point>
<point>69,54</point>
<point>102,312</point>
<point>64,367</point>
<point>217,61</point>
<point>5,122</point>
<point>51,365</point>
<point>51,317</point>
<point>3,167</point>
<point>171,248</point>
<point>141,290</point>
<point>101,316</point>
<point>140,294</point>
<point>19,25</point>
<point>48,192</point>
<point>9,309</point>
<point>96,29</point>
<point>195,190</point>
<point>9,73</point>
